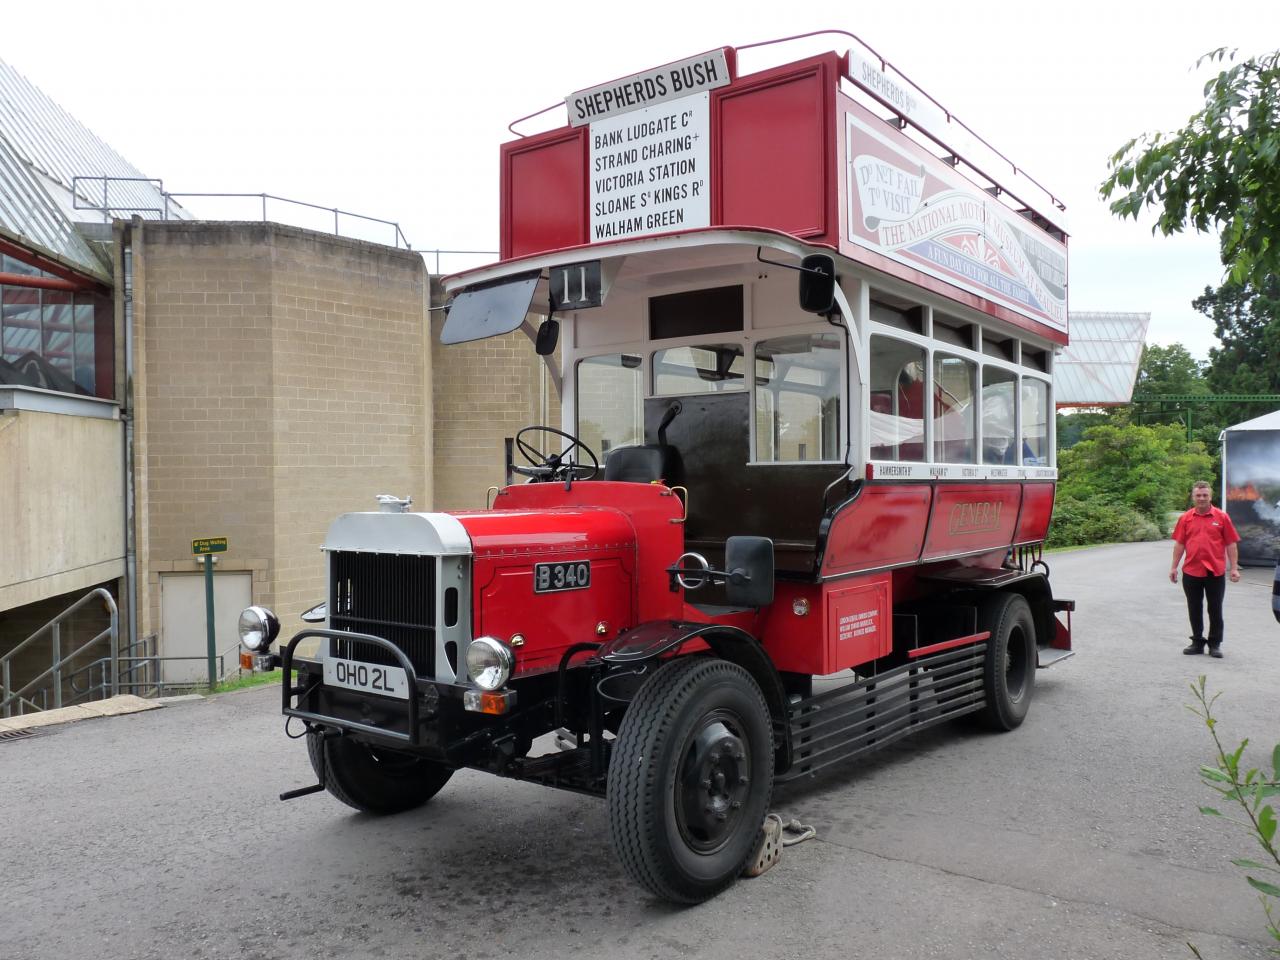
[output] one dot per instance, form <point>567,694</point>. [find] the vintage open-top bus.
<point>804,343</point>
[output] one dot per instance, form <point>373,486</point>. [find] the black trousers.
<point>1198,590</point>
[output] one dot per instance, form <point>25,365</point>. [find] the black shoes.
<point>1215,649</point>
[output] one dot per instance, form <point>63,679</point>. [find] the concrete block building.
<point>280,377</point>
<point>164,379</point>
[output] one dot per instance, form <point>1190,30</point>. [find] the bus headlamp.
<point>489,662</point>
<point>258,627</point>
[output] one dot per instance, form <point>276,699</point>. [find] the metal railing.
<point>398,239</point>
<point>141,676</point>
<point>472,253</point>
<point>135,668</point>
<point>49,683</point>
<point>165,210</point>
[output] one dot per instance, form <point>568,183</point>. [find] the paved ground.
<point>158,835</point>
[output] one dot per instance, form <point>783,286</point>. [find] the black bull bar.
<point>288,690</point>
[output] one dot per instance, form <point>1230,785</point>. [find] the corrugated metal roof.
<point>1100,366</point>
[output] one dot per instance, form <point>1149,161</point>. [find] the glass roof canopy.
<point>1100,366</point>
<point>43,149</point>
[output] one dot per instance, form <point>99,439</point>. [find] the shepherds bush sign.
<point>698,74</point>
<point>650,147</point>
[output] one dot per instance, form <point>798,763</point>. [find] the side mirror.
<point>317,614</point>
<point>817,284</point>
<point>548,337</point>
<point>749,561</point>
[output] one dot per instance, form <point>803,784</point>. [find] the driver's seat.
<point>644,463</point>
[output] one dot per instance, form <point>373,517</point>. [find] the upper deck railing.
<point>881,80</point>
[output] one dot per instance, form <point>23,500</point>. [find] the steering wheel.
<point>555,466</point>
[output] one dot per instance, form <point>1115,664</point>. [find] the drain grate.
<point>7,735</point>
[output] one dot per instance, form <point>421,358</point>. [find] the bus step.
<point>1048,656</point>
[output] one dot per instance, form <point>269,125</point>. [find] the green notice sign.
<point>209,545</point>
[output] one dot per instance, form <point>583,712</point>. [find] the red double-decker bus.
<point>803,326</point>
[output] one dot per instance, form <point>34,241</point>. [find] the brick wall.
<point>482,392</point>
<point>281,380</point>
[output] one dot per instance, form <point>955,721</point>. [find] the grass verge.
<point>247,681</point>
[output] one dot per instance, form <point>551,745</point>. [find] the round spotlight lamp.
<point>258,628</point>
<point>489,662</point>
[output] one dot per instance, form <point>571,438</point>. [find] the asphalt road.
<point>158,835</point>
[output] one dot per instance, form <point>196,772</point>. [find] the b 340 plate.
<point>554,577</point>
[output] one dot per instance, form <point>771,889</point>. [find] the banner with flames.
<point>1251,485</point>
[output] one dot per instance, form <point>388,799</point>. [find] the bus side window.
<point>610,402</point>
<point>999,415</point>
<point>954,423</point>
<point>1035,422</point>
<point>798,389</point>
<point>897,400</point>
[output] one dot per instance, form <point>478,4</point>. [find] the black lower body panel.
<point>868,713</point>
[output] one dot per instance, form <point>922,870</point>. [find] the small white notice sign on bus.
<point>648,170</point>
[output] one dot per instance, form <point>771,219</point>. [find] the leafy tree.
<point>1220,171</point>
<point>1079,522</point>
<point>1147,468</point>
<point>1246,320</point>
<point>1072,426</point>
<point>1164,371</point>
<point>1171,371</point>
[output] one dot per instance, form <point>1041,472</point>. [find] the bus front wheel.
<point>690,778</point>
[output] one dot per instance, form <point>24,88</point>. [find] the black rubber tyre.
<point>690,778</point>
<point>374,780</point>
<point>1009,673</point>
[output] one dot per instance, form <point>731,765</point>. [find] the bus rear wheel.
<point>690,778</point>
<point>1009,671</point>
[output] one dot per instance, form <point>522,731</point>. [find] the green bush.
<point>1077,522</point>
<point>1149,469</point>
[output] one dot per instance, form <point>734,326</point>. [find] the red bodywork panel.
<point>883,527</point>
<point>773,156</point>
<point>629,531</point>
<point>892,524</point>
<point>544,206</point>
<point>775,153</point>
<point>848,622</point>
<point>968,517</point>
<point>1037,511</point>
<point>507,544</point>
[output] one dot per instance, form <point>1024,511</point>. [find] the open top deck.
<point>666,236</point>
<point>837,150</point>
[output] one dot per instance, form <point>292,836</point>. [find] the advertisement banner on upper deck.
<point>909,206</point>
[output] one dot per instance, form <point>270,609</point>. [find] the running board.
<point>870,713</point>
<point>1048,656</point>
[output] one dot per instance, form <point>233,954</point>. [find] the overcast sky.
<point>396,110</point>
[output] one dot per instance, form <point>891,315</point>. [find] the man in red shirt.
<point>1207,538</point>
